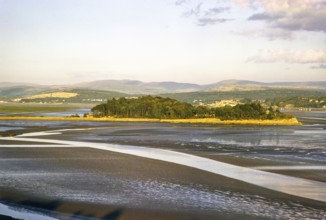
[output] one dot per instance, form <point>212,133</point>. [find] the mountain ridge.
<point>128,86</point>
<point>136,87</point>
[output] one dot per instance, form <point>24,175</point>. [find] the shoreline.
<point>281,122</point>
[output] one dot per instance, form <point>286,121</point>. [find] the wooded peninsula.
<point>166,108</point>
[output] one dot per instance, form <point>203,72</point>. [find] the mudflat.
<point>65,181</point>
<point>48,173</point>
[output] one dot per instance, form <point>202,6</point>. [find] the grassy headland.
<point>158,109</point>
<point>170,110</point>
<point>35,108</point>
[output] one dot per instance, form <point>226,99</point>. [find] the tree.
<point>166,108</point>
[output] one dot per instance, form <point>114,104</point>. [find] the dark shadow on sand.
<point>51,209</point>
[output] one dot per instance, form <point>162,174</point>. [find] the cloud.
<point>180,2</point>
<point>320,66</point>
<point>204,17</point>
<point>288,15</point>
<point>193,11</point>
<point>293,15</point>
<point>261,16</point>
<point>216,10</point>
<point>288,56</point>
<point>211,16</point>
<point>211,21</point>
<point>269,33</point>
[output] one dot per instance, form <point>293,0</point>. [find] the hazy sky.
<point>65,41</point>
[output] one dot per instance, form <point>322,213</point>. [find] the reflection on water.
<point>21,125</point>
<point>10,128</point>
<point>310,117</point>
<point>306,142</point>
<point>79,111</point>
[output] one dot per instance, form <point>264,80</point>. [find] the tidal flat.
<point>62,181</point>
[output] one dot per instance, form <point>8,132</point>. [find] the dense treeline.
<point>166,108</point>
<point>144,107</point>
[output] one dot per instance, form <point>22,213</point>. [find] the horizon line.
<point>163,81</point>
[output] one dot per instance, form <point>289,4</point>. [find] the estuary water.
<point>78,111</point>
<point>112,179</point>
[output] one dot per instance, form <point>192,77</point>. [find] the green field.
<point>24,108</point>
<point>209,97</point>
<point>84,96</point>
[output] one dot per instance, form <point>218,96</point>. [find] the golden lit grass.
<point>290,122</point>
<point>53,95</point>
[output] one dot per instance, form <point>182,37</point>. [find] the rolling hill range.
<point>97,91</point>
<point>139,87</point>
<point>245,85</point>
<point>8,89</point>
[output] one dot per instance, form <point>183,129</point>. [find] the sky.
<point>193,41</point>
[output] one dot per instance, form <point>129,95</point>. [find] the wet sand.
<point>253,162</point>
<point>243,159</point>
<point>40,177</point>
<point>84,160</point>
<point>103,163</point>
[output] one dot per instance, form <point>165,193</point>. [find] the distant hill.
<point>207,97</point>
<point>103,89</point>
<point>245,85</point>
<point>13,84</point>
<point>20,91</point>
<point>139,87</point>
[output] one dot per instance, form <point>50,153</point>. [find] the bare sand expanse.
<point>90,162</point>
<point>82,181</point>
<point>84,160</point>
